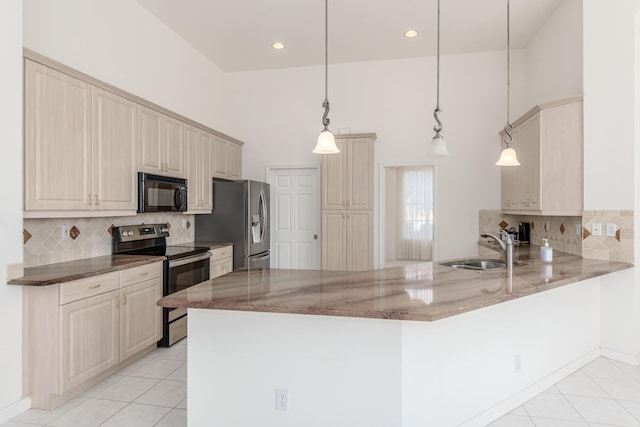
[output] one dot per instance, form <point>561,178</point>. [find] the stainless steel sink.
<point>479,264</point>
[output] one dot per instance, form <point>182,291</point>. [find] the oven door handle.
<point>189,260</point>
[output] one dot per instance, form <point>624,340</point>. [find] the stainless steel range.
<point>186,265</point>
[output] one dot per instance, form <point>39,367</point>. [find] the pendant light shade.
<point>326,142</point>
<point>438,146</point>
<point>508,155</point>
<point>508,158</point>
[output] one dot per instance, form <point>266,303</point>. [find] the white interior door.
<point>295,217</point>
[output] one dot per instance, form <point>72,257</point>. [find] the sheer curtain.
<point>415,214</point>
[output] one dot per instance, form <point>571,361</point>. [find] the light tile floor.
<point>603,393</point>
<point>153,392</point>
<point>150,392</point>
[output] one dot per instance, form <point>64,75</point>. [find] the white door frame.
<point>382,201</point>
<point>317,170</point>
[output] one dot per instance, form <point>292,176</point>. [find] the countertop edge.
<point>83,275</point>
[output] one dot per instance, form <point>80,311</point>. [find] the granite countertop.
<point>79,269</point>
<point>424,292</point>
<point>212,245</point>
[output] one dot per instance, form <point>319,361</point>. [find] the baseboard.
<point>530,392</point>
<point>14,409</point>
<point>620,357</point>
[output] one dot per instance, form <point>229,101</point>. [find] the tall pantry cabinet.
<point>347,204</point>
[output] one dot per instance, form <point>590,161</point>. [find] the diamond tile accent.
<point>618,234</point>
<point>26,236</point>
<point>533,226</point>
<point>585,233</point>
<point>503,224</point>
<point>562,228</point>
<point>168,224</point>
<point>189,226</point>
<point>110,229</point>
<point>74,232</point>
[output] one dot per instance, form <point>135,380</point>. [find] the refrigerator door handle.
<point>263,214</point>
<point>254,259</point>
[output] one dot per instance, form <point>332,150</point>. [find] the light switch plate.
<point>611,230</point>
<point>596,229</point>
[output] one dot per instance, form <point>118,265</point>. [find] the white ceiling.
<point>237,34</point>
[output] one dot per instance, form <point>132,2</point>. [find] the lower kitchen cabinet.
<point>221,261</point>
<point>347,240</point>
<point>78,332</point>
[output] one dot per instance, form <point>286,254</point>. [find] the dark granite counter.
<point>424,292</point>
<point>79,269</point>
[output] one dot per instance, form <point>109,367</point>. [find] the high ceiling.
<point>237,34</point>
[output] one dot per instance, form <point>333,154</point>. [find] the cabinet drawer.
<point>221,253</point>
<point>140,274</point>
<point>85,288</point>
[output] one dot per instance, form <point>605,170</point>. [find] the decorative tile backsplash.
<point>572,234</point>
<point>89,237</point>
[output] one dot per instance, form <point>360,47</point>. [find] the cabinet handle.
<point>143,274</point>
<point>89,197</point>
<point>95,286</point>
<point>124,300</point>
<point>97,201</point>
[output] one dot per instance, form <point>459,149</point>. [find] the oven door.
<point>185,272</point>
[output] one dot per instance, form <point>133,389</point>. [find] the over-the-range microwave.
<point>158,193</point>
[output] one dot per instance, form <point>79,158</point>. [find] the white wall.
<point>612,94</point>
<point>121,43</point>
<point>278,115</point>
<point>554,56</point>
<point>11,212</point>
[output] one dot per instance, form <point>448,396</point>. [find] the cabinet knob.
<point>315,237</point>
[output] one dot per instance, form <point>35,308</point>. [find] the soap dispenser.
<point>546,251</point>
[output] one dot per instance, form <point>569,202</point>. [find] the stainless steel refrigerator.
<point>240,215</point>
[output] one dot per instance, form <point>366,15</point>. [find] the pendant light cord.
<point>508,126</point>
<point>437,111</point>
<point>325,104</point>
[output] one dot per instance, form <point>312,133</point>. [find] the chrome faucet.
<point>507,247</point>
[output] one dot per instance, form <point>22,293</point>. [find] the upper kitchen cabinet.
<point>347,177</point>
<point>549,181</point>
<point>80,146</point>
<point>161,142</point>
<point>227,159</point>
<point>199,146</point>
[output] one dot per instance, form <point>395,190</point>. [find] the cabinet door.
<point>359,172</point>
<point>215,268</point>
<point>227,265</point>
<point>206,189</point>
<point>220,158</point>
<point>114,148</point>
<point>150,152</point>
<point>528,149</point>
<point>140,317</point>
<point>234,169</point>
<point>88,338</point>
<point>192,167</point>
<point>333,178</point>
<point>57,140</point>
<point>174,140</point>
<point>359,240</point>
<point>334,233</point>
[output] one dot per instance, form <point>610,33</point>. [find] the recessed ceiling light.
<point>277,46</point>
<point>410,34</point>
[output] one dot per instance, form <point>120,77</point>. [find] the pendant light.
<point>508,155</point>
<point>326,142</point>
<point>438,145</point>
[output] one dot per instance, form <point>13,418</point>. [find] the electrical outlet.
<point>578,229</point>
<point>596,229</point>
<point>611,230</point>
<point>282,399</point>
<point>66,229</point>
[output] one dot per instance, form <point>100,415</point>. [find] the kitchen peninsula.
<point>416,345</point>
